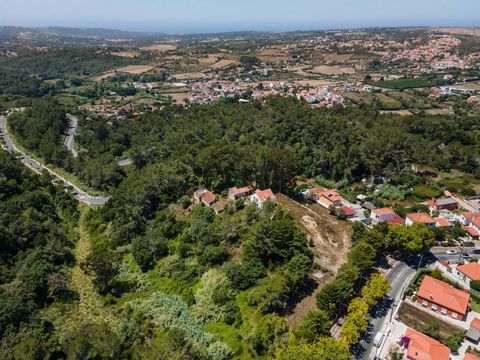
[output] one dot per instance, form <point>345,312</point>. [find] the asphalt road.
<point>398,277</point>
<point>37,167</point>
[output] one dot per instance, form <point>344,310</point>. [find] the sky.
<point>196,16</point>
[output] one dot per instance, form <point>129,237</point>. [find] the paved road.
<point>37,167</point>
<point>463,203</point>
<point>71,132</point>
<point>398,277</point>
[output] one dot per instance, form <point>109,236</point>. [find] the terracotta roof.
<point>332,195</point>
<point>445,263</point>
<point>443,294</point>
<point>468,216</point>
<point>475,323</point>
<point>421,218</point>
<point>476,221</point>
<point>472,231</point>
<point>318,190</point>
<point>383,211</point>
<point>471,270</point>
<point>422,347</point>
<point>470,356</point>
<point>442,222</point>
<point>208,197</point>
<point>264,195</point>
<point>347,211</point>
<point>395,220</point>
<point>237,191</point>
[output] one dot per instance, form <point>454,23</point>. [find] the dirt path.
<point>90,307</point>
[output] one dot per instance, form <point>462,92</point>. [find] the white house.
<point>382,214</point>
<point>261,196</point>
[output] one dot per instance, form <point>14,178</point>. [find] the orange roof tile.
<point>470,356</point>
<point>472,231</point>
<point>442,222</point>
<point>422,347</point>
<point>264,195</point>
<point>443,294</point>
<point>383,211</point>
<point>472,270</point>
<point>208,197</point>
<point>475,323</point>
<point>421,218</point>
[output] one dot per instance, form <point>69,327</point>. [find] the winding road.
<point>38,167</point>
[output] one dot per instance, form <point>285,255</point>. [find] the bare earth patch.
<point>159,47</point>
<point>332,70</point>
<point>223,64</point>
<point>135,69</point>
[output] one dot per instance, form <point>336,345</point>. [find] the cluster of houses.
<point>209,199</point>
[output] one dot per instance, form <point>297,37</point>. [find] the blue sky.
<point>187,16</point>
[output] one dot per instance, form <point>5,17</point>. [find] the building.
<point>443,204</point>
<point>261,196</point>
<point>205,197</point>
<point>443,298</point>
<point>468,272</point>
<point>236,193</point>
<point>325,197</point>
<point>473,333</point>
<point>349,213</point>
<point>470,356</point>
<point>442,223</point>
<point>422,347</point>
<point>420,218</point>
<point>382,214</point>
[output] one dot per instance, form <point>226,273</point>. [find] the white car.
<point>451,252</point>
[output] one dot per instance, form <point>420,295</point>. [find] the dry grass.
<point>459,31</point>
<point>179,97</point>
<point>159,47</point>
<point>135,69</point>
<point>276,53</point>
<point>223,64</point>
<point>126,54</point>
<point>332,70</point>
<point>417,319</point>
<point>188,76</point>
<point>396,112</point>
<point>446,111</point>
<point>337,58</point>
<point>314,83</point>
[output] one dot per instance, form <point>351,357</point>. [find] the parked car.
<point>466,256</point>
<point>476,251</point>
<point>451,252</point>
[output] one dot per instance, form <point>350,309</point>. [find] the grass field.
<point>332,70</point>
<point>135,69</point>
<point>159,47</point>
<point>406,83</point>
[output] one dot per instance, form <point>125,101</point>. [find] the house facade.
<point>420,218</point>
<point>262,196</point>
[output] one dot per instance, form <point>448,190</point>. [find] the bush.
<point>455,340</point>
<point>475,285</point>
<point>213,255</point>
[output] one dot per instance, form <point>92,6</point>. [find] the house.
<point>204,196</point>
<point>470,356</point>
<point>219,206</point>
<point>422,347</point>
<point>440,296</point>
<point>349,213</point>
<point>442,223</point>
<point>466,217</point>
<point>368,206</point>
<point>325,197</point>
<point>236,193</point>
<point>261,196</point>
<point>472,232</point>
<point>420,218</point>
<point>396,220</point>
<point>468,272</point>
<point>382,214</point>
<point>473,333</point>
<point>443,204</point>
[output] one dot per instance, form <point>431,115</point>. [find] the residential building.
<point>439,296</point>
<point>349,213</point>
<point>443,204</point>
<point>470,356</point>
<point>442,223</point>
<point>236,193</point>
<point>473,333</point>
<point>422,347</point>
<point>382,214</point>
<point>261,196</point>
<point>420,218</point>
<point>204,196</point>
<point>468,272</point>
<point>325,197</point>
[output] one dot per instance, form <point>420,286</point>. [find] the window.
<point>444,311</point>
<point>454,315</point>
<point>434,306</point>
<point>424,302</point>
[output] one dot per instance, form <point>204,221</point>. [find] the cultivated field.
<point>135,69</point>
<point>332,70</point>
<point>274,54</point>
<point>126,54</point>
<point>223,64</point>
<point>337,58</point>
<point>159,47</point>
<point>460,31</point>
<point>396,112</point>
<point>188,76</point>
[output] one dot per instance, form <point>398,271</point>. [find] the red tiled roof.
<point>443,294</point>
<point>237,191</point>
<point>421,218</point>
<point>264,195</point>
<point>471,270</point>
<point>347,211</point>
<point>208,197</point>
<point>475,323</point>
<point>472,231</point>
<point>470,356</point>
<point>476,221</point>
<point>442,222</point>
<point>395,220</point>
<point>383,211</point>
<point>422,347</point>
